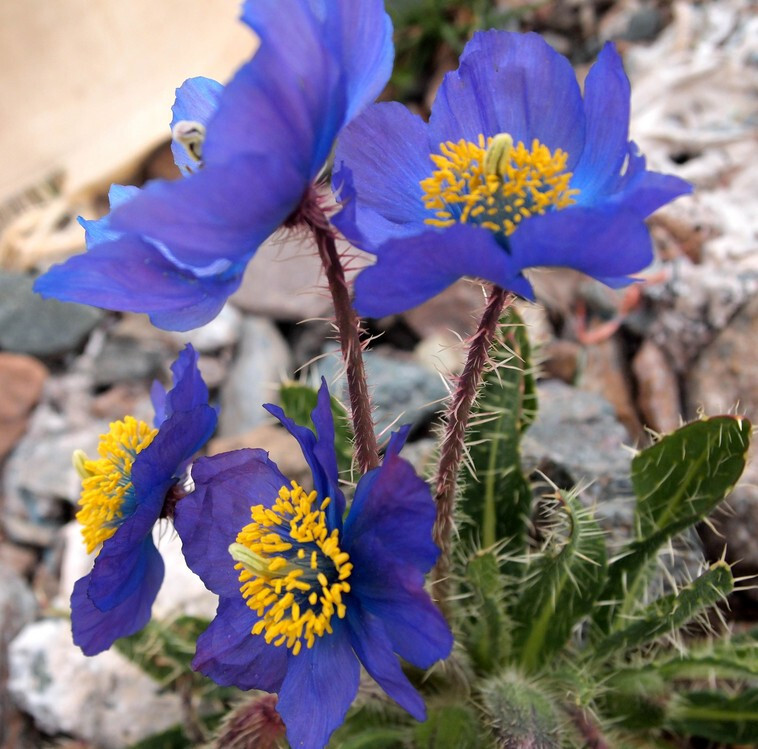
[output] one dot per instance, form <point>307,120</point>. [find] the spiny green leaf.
<point>560,586</point>
<point>716,716</point>
<point>669,613</point>
<point>449,727</point>
<point>486,628</point>
<point>497,499</point>
<point>298,400</point>
<point>678,482</point>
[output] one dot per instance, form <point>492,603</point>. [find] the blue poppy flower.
<point>177,249</point>
<point>304,598</point>
<point>515,169</point>
<point>124,492</point>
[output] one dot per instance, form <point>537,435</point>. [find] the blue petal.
<point>317,691</point>
<point>606,108</point>
<point>196,101</point>
<point>374,650</point>
<point>95,630</point>
<point>131,274</point>
<point>158,399</point>
<point>642,192</point>
<point>319,451</point>
<point>380,160</point>
<point>391,518</point>
<point>122,567</point>
<point>209,519</point>
<point>229,654</point>
<point>397,441</point>
<point>510,83</point>
<point>119,566</point>
<point>411,270</point>
<point>288,102</point>
<point>395,594</point>
<point>189,389</point>
<point>603,241</point>
<point>99,231</point>
<point>214,219</point>
<point>360,36</point>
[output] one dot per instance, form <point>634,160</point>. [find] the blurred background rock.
<point>87,89</point>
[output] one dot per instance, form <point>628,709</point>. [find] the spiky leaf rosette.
<point>497,497</point>
<point>560,585</point>
<point>678,482</point>
<point>519,714</point>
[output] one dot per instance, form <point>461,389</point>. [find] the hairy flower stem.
<point>456,423</point>
<point>348,327</point>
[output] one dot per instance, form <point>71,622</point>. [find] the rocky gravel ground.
<point>616,366</point>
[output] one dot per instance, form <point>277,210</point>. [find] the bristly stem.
<point>456,423</point>
<point>348,327</point>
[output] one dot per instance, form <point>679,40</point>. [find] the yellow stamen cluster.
<point>495,184</point>
<point>107,481</point>
<point>292,570</point>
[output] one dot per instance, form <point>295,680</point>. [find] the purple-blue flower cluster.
<point>124,493</point>
<point>514,170</point>
<point>177,249</point>
<point>305,598</point>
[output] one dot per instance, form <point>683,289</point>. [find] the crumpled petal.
<point>380,191</point>
<point>318,689</point>
<point>230,655</point>
<point>95,630</point>
<point>210,517</point>
<point>413,269</point>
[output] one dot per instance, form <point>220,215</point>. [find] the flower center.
<point>292,571</point>
<point>495,183</point>
<point>107,490</point>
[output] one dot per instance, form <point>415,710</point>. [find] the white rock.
<point>105,699</point>
<point>182,592</point>
<point>222,331</point>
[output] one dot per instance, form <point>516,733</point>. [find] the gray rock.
<point>42,327</point>
<point>18,606</point>
<point>403,391</point>
<point>263,360</point>
<point>222,331</point>
<point>105,700</point>
<point>725,378</point>
<point>125,360</point>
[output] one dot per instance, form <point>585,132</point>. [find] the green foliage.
<point>425,29</point>
<point>669,613</point>
<point>678,482</point>
<point>716,716</point>
<point>449,727</point>
<point>569,648</point>
<point>487,629</point>
<point>298,400</point>
<point>164,650</point>
<point>561,585</point>
<point>519,714</point>
<point>497,498</point>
